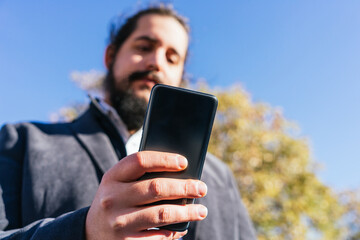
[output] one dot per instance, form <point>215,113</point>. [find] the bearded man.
<point>79,180</point>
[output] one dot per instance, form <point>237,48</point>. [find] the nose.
<point>155,61</point>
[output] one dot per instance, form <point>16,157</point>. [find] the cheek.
<point>136,59</point>
<point>176,77</point>
<point>123,68</point>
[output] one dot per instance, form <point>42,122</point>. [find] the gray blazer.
<point>49,174</point>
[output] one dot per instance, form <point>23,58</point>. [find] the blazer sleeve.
<point>67,226</point>
<point>245,225</point>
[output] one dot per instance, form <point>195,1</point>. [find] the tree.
<point>273,168</point>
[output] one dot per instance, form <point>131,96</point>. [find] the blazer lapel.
<point>93,139</point>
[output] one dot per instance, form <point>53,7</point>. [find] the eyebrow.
<point>147,38</point>
<point>153,41</point>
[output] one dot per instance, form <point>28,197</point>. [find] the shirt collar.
<point>114,117</point>
<point>132,142</point>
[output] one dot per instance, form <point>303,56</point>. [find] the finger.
<point>158,234</point>
<point>143,192</point>
<point>178,235</point>
<point>153,190</point>
<point>134,166</point>
<point>159,215</point>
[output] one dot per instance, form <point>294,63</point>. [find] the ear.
<point>109,56</point>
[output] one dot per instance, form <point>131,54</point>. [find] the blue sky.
<point>300,56</point>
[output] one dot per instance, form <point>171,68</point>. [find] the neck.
<point>107,100</point>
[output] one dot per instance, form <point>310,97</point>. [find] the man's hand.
<point>118,210</point>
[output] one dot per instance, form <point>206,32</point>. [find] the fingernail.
<point>202,189</point>
<point>202,211</point>
<point>182,162</point>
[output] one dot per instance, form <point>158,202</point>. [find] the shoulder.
<point>46,128</point>
<point>16,138</point>
<point>29,128</point>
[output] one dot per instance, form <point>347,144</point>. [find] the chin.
<point>142,89</point>
<point>143,93</point>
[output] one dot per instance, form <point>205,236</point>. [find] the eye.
<point>172,57</point>
<point>143,47</point>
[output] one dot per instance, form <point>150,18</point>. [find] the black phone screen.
<point>179,121</point>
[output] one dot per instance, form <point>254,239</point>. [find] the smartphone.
<point>179,121</point>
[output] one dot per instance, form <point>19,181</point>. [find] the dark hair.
<point>119,36</point>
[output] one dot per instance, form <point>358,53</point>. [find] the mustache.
<point>150,74</point>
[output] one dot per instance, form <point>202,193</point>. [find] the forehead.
<point>165,29</point>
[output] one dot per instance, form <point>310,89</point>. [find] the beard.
<point>131,109</point>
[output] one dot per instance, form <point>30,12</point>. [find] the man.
<point>65,181</point>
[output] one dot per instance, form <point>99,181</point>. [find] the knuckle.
<point>106,203</point>
<point>164,160</point>
<point>155,188</point>
<point>190,213</point>
<point>119,223</point>
<point>140,159</point>
<point>106,177</point>
<point>189,187</point>
<point>169,236</point>
<point>164,215</point>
